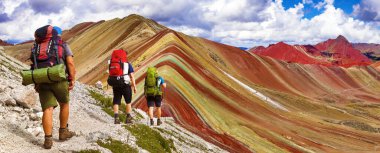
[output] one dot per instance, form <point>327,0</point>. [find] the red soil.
<point>338,50</point>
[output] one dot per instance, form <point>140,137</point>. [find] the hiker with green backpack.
<point>153,90</point>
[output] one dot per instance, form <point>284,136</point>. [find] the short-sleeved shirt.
<point>160,81</point>
<point>127,72</point>
<point>67,49</point>
<point>130,68</point>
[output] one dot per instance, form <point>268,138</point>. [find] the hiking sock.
<point>116,115</point>
<point>151,122</point>
<point>48,136</point>
<point>129,115</point>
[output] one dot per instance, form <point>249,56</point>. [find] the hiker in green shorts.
<point>49,50</point>
<point>153,88</point>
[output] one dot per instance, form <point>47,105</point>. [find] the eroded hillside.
<point>237,100</point>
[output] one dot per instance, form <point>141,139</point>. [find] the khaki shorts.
<point>50,93</point>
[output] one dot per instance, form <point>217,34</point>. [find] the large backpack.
<point>116,68</point>
<point>150,87</point>
<point>47,50</point>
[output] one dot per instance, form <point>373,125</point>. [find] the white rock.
<point>28,110</point>
<point>3,87</point>
<point>39,114</point>
<point>6,99</point>
<point>33,117</point>
<point>17,109</point>
<point>37,109</point>
<point>2,109</point>
<point>24,96</point>
<point>36,131</point>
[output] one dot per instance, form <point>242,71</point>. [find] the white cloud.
<point>244,23</point>
<point>198,32</point>
<point>368,10</point>
<point>307,2</point>
<point>290,26</point>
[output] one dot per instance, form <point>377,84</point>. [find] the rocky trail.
<point>21,129</point>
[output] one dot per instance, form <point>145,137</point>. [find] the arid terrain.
<point>274,99</point>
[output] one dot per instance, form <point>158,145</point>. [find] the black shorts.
<point>154,100</point>
<point>125,91</point>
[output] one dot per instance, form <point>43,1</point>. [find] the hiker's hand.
<point>36,87</point>
<point>71,84</point>
<point>134,90</point>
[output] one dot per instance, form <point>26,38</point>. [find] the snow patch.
<point>258,94</point>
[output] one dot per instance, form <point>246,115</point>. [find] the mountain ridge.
<point>332,52</point>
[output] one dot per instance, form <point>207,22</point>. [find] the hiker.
<point>122,81</point>
<point>154,93</point>
<point>48,51</point>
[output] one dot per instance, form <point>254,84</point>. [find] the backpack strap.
<point>35,48</point>
<point>55,45</point>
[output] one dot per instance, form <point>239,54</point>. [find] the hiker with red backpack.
<point>50,52</point>
<point>122,80</point>
<point>153,90</point>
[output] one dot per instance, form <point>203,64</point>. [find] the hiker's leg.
<point>150,112</point>
<point>115,108</point>
<point>158,100</point>
<point>150,104</point>
<point>128,108</point>
<point>116,99</point>
<point>47,121</point>
<point>127,93</point>
<point>48,103</point>
<point>61,92</point>
<point>158,112</point>
<point>64,114</point>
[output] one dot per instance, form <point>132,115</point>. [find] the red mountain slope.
<point>337,52</point>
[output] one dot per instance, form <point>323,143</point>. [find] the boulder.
<point>2,87</point>
<point>6,99</point>
<point>17,109</point>
<point>33,117</point>
<point>39,114</point>
<point>25,97</point>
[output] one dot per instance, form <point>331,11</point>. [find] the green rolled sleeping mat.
<point>53,74</point>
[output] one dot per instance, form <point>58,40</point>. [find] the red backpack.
<point>116,67</point>
<point>118,58</point>
<point>47,50</point>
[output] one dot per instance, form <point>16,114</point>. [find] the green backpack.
<point>150,87</point>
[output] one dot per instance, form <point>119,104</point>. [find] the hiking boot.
<point>128,120</point>
<point>48,142</point>
<point>151,122</point>
<point>65,134</point>
<point>159,122</point>
<point>117,121</point>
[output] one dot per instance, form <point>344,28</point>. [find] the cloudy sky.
<point>243,23</point>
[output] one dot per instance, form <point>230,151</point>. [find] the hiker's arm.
<point>163,88</point>
<point>164,85</point>
<point>71,68</point>
<point>133,82</point>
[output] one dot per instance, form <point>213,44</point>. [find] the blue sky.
<point>244,23</point>
<point>311,11</point>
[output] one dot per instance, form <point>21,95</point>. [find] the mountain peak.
<point>341,38</point>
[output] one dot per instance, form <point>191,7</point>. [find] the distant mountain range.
<point>333,52</point>
<point>4,43</point>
